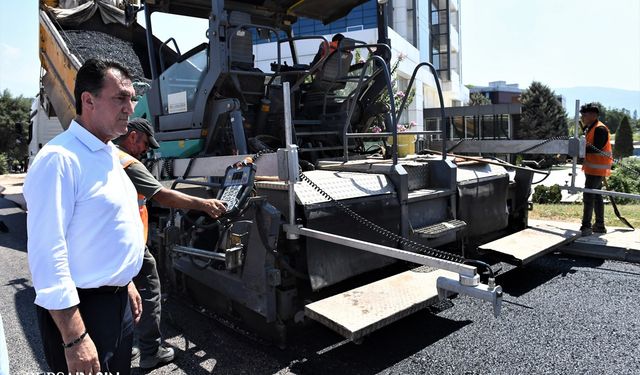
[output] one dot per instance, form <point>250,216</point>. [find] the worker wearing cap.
<point>596,166</point>
<point>135,143</point>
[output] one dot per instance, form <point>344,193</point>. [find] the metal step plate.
<point>531,243</point>
<point>618,243</point>
<point>440,229</point>
<point>363,310</point>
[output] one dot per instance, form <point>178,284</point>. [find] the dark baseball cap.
<point>143,125</point>
<point>590,107</point>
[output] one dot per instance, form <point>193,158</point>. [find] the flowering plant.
<point>377,125</point>
<point>406,127</point>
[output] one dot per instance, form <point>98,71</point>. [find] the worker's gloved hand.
<point>214,207</point>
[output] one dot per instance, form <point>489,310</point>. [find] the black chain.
<point>559,138</point>
<point>418,247</point>
<point>617,162</point>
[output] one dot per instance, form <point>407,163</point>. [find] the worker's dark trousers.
<point>148,328</point>
<point>593,202</point>
<point>107,317</point>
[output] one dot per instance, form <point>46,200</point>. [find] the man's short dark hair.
<point>590,108</point>
<point>90,78</point>
<point>338,37</point>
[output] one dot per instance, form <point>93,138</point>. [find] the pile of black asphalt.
<point>98,45</point>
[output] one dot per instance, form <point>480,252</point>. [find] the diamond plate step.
<point>440,229</point>
<point>365,309</point>
<point>526,245</point>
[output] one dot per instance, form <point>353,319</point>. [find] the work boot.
<point>135,352</point>
<point>586,231</point>
<point>163,355</point>
<point>599,229</point>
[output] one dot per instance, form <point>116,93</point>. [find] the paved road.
<point>561,315</point>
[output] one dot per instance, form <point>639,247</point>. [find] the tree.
<point>613,118</point>
<point>624,140</point>
<point>14,120</point>
<point>477,98</point>
<point>543,116</point>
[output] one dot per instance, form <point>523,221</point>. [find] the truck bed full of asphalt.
<point>561,315</point>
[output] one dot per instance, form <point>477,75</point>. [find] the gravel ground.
<point>562,315</point>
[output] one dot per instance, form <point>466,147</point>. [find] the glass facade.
<point>423,30</point>
<point>360,18</point>
<point>480,127</point>
<point>440,48</point>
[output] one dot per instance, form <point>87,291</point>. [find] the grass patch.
<point>572,212</point>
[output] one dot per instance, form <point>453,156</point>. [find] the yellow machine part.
<point>61,67</point>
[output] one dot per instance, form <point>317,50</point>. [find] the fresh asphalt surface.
<point>561,315</point>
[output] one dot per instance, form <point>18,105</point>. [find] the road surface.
<point>561,315</point>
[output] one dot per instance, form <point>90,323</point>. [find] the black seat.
<point>330,76</point>
<point>247,80</point>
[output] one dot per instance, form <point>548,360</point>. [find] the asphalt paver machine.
<point>318,226</point>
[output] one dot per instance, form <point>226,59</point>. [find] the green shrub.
<point>4,164</point>
<point>554,194</point>
<point>625,178</point>
<point>547,194</point>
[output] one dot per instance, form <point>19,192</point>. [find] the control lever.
<point>471,286</point>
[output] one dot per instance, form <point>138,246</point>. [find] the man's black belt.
<point>107,289</point>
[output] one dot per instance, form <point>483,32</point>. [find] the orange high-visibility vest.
<point>126,160</point>
<point>598,164</point>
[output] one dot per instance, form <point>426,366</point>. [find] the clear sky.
<point>561,43</point>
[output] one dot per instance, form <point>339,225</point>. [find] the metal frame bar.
<point>462,269</point>
<point>574,189</point>
<point>515,146</point>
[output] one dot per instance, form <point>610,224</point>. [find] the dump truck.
<point>318,226</point>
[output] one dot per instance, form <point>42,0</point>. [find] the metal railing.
<point>395,115</point>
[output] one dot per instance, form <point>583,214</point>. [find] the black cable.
<point>543,178</point>
<point>479,263</point>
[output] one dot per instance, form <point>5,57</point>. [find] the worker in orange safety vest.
<point>596,166</point>
<point>326,48</point>
<point>134,144</point>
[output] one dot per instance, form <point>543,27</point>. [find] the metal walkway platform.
<point>526,245</point>
<point>617,244</point>
<point>360,311</point>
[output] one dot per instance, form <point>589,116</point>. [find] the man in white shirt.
<point>85,238</point>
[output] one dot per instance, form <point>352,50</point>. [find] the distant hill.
<point>615,98</point>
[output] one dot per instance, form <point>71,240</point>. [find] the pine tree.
<point>543,116</point>
<point>624,140</point>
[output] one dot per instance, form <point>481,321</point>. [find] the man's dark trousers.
<point>108,319</point>
<point>593,202</point>
<point>148,284</point>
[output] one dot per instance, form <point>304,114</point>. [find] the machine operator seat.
<point>333,69</point>
<point>330,77</point>
<point>245,80</point>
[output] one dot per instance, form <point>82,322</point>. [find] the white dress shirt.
<point>83,225</point>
